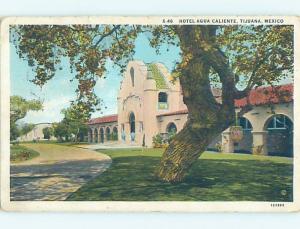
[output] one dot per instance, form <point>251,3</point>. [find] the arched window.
<point>101,135</point>
<point>96,135</point>
<point>279,135</point>
<point>279,122</point>
<point>245,123</point>
<point>132,75</point>
<point>162,97</point>
<point>171,128</point>
<point>162,100</point>
<point>115,134</point>
<point>132,122</point>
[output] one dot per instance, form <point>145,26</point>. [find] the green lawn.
<point>20,153</point>
<point>214,177</point>
<point>55,142</point>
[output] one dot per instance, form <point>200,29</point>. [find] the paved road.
<point>56,173</point>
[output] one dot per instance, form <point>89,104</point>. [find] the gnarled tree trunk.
<point>207,118</point>
<point>182,152</point>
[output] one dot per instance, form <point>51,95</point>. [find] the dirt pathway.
<point>56,173</point>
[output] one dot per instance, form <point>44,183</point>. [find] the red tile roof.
<point>267,95</point>
<point>104,119</point>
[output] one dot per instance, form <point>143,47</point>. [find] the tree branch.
<point>251,82</point>
<point>106,35</point>
<point>117,38</point>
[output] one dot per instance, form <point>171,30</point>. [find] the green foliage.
<point>26,128</point>
<point>171,136</point>
<point>88,48</point>
<point>14,131</point>
<point>256,55</point>
<point>20,153</point>
<point>62,131</point>
<point>157,141</point>
<point>48,132</point>
<point>157,76</point>
<point>73,124</point>
<point>20,106</point>
<point>76,121</point>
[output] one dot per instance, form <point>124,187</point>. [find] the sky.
<point>57,92</point>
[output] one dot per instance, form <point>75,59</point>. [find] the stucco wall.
<point>36,133</point>
<point>142,100</point>
<point>164,121</point>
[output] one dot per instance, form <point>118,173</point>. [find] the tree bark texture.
<point>207,118</point>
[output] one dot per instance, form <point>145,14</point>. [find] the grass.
<point>20,153</point>
<point>55,142</point>
<point>215,177</point>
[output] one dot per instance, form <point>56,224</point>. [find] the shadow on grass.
<point>132,179</point>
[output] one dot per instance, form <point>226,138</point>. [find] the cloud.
<point>51,111</point>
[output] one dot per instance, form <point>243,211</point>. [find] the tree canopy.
<point>87,47</point>
<point>20,106</point>
<point>253,55</point>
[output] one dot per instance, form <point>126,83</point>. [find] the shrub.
<point>157,141</point>
<point>219,147</point>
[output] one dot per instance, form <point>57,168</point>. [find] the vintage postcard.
<point>176,114</point>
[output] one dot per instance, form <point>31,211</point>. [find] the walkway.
<point>56,173</point>
<point>109,145</point>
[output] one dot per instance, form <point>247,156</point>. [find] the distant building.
<point>36,133</point>
<point>149,104</point>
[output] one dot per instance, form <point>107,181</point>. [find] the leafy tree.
<point>48,132</point>
<point>157,141</point>
<point>236,58</point>
<point>19,107</point>
<point>76,122</point>
<point>14,131</point>
<point>88,47</point>
<point>26,128</point>
<point>62,131</point>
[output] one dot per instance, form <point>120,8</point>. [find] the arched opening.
<point>132,76</point>
<point>162,100</point>
<point>171,128</point>
<point>245,145</point>
<point>279,135</point>
<point>115,134</point>
<point>171,131</point>
<point>90,135</point>
<point>107,134</point>
<point>132,126</point>
<point>95,135</point>
<point>102,135</point>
